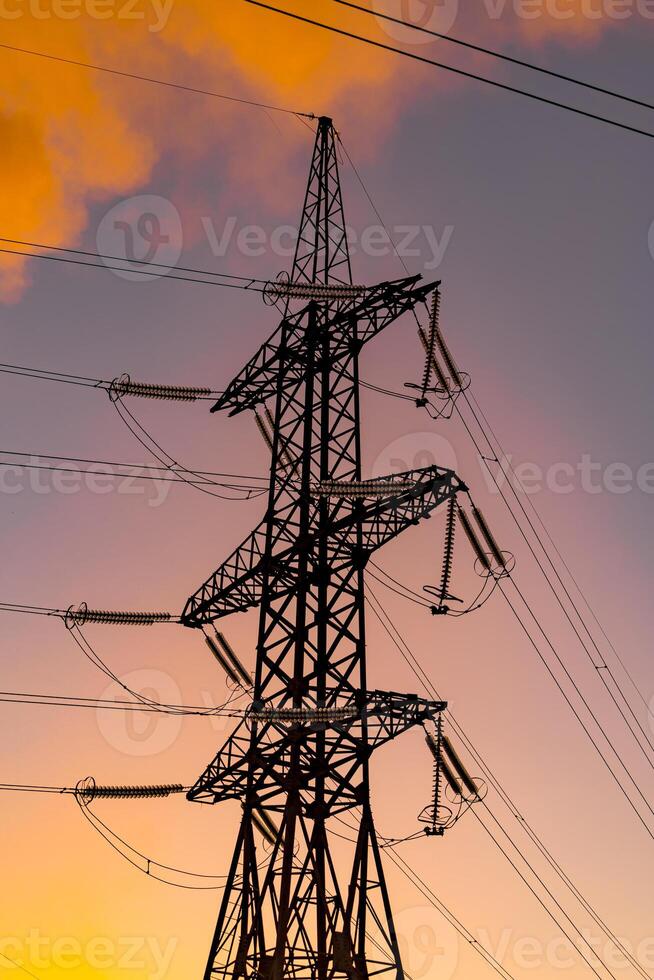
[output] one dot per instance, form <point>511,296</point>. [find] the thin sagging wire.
<point>151,445</point>
<point>414,665</point>
<point>91,654</point>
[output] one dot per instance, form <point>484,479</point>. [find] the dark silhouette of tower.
<point>305,908</point>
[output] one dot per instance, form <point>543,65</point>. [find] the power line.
<point>155,81</point>
<point>151,866</point>
<point>26,788</point>
<point>576,713</point>
<point>136,272</point>
<point>603,665</point>
<point>19,966</point>
<point>416,880</point>
<point>600,668</point>
<point>497,54</point>
<point>457,71</point>
<point>141,262</point>
<point>190,477</point>
<point>93,657</point>
<point>414,665</point>
<point>542,903</point>
<point>108,704</point>
<point>35,373</point>
<point>101,384</point>
<point>40,374</point>
<point>164,474</point>
<point>573,579</point>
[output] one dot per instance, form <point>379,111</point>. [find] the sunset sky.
<point>540,225</point>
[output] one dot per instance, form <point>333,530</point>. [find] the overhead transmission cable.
<point>575,712</point>
<point>457,71</point>
<point>72,701</point>
<point>18,966</point>
<point>416,880</point>
<point>137,858</point>
<point>93,657</point>
<point>155,81</point>
<point>152,472</point>
<point>573,579</point>
<point>470,46</point>
<point>600,668</point>
<point>400,643</point>
<point>414,665</point>
<point>603,665</point>
<point>162,274</point>
<point>190,477</point>
<point>247,280</point>
<point>41,374</point>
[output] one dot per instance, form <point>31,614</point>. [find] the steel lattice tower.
<point>302,754</point>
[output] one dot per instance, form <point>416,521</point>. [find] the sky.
<point>540,224</point>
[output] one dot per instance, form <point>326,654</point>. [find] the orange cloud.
<point>72,138</point>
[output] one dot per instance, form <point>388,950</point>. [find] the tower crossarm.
<point>380,307</point>
<point>389,714</point>
<point>237,585</point>
<point>385,714</point>
<point>384,519</point>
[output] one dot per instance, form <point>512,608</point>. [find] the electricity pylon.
<point>301,755</point>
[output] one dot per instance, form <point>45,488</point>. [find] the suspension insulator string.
<point>110,617</point>
<point>488,535</point>
<point>474,540</point>
<point>283,288</point>
<point>448,554</point>
<point>124,385</point>
<point>228,660</point>
<point>437,369</point>
<point>309,715</point>
<point>287,461</point>
<point>88,790</point>
<point>362,488</point>
<point>266,427</point>
<point>429,349</point>
<point>446,355</point>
